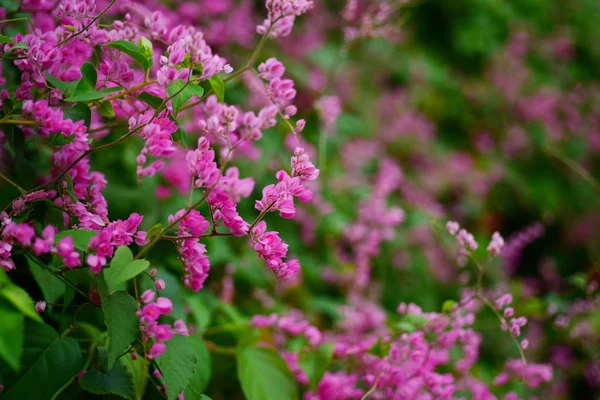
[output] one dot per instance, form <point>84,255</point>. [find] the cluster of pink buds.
<point>151,329</point>
<point>191,252</point>
<point>281,17</point>
<point>496,244</point>
<point>465,240</point>
<point>516,323</point>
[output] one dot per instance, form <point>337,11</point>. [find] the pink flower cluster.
<point>466,241</point>
<point>158,143</point>
<point>152,329</point>
<point>115,234</point>
<point>271,248</point>
<point>516,323</point>
<point>281,17</point>
<point>280,196</point>
<point>192,253</point>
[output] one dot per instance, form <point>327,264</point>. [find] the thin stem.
<point>224,328</point>
<point>573,166</point>
<point>14,20</point>
<point>96,18</point>
<point>489,304</point>
<point>220,349</point>
<point>16,186</point>
<point>17,122</point>
<point>130,90</point>
<point>373,388</point>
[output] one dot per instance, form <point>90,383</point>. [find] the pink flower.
<point>40,307</point>
<point>164,305</point>
<point>147,296</point>
<point>496,244</point>
<point>156,350</point>
<point>452,227</point>
<point>160,284</point>
<point>181,328</point>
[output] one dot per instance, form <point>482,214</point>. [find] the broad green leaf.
<point>123,268</point>
<point>177,365</point>
<point>184,93</point>
<point>81,237</point>
<point>88,80</point>
<point>201,377</point>
<point>137,53</point>
<point>63,86</point>
<point>151,99</point>
<point>316,362</point>
<point>49,361</point>
<point>106,109</point>
<point>11,334</point>
<point>80,111</point>
<point>121,321</point>
<point>93,94</point>
<point>218,86</point>
<point>86,87</point>
<point>6,39</point>
<point>21,300</point>
<point>201,310</point>
<point>264,375</point>
<point>52,287</point>
<point>118,381</point>
<point>139,370</point>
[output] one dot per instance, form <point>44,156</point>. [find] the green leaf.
<point>264,375</point>
<point>177,365</point>
<point>201,310</point>
<point>218,86</point>
<point>137,53</point>
<point>578,280</point>
<point>81,237</point>
<point>118,381</point>
<point>448,305</point>
<point>146,46</point>
<point>11,334</point>
<point>155,230</point>
<point>139,370</point>
<point>71,189</point>
<point>88,80</point>
<point>93,94</point>
<point>201,377</point>
<point>21,300</point>
<point>184,93</point>
<point>122,323</point>
<point>106,109</point>
<point>151,99</point>
<point>123,268</point>
<point>183,137</point>
<point>316,362</point>
<point>21,45</point>
<point>86,87</point>
<point>80,111</point>
<point>49,361</point>
<point>52,287</point>
<point>64,87</point>
<point>6,39</point>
